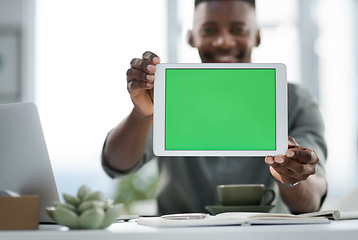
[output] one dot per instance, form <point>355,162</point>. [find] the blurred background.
<point>70,57</point>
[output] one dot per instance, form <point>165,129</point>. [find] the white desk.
<point>337,230</point>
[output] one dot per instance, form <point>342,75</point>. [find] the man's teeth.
<point>225,58</point>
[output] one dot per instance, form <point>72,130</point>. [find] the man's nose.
<point>224,41</point>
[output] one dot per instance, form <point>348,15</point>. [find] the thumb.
<point>292,142</point>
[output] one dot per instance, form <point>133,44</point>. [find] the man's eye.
<point>208,30</point>
<point>238,30</point>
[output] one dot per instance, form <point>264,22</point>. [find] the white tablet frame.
<point>159,110</point>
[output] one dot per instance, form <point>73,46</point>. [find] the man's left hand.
<point>297,165</point>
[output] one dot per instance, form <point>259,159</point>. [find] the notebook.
<point>230,218</point>
<point>25,166</point>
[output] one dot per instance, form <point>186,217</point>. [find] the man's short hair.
<point>251,2</point>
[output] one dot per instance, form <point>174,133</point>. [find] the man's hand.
<point>297,165</point>
<point>140,82</point>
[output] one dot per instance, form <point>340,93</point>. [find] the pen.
<point>185,216</point>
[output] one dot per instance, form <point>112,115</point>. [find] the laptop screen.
<point>25,166</point>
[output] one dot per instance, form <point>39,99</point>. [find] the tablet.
<point>224,109</point>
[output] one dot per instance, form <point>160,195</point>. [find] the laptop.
<point>25,167</point>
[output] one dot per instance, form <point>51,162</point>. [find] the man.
<point>223,32</point>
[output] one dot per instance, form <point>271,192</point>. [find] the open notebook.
<point>25,166</point>
<point>232,218</point>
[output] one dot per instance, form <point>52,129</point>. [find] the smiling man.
<point>224,31</point>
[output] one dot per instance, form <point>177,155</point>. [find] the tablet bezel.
<point>159,110</point>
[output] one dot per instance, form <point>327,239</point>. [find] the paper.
<point>233,218</point>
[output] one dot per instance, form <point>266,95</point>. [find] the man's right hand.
<point>140,82</point>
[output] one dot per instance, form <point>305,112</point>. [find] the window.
<point>83,50</point>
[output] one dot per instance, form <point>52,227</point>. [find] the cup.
<point>245,194</point>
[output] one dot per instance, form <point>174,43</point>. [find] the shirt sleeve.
<point>306,124</point>
<point>146,157</point>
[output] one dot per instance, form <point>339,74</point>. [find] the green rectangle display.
<point>220,109</point>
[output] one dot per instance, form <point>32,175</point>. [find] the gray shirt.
<point>188,184</point>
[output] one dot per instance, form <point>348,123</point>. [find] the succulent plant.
<point>87,210</point>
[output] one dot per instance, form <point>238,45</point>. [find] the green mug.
<point>244,194</point>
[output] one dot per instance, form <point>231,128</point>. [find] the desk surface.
<point>347,229</point>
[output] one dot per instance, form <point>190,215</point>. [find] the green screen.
<point>220,109</point>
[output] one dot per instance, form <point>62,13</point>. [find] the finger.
<point>281,177</point>
<point>152,57</point>
<point>134,74</point>
<point>138,85</point>
<point>302,155</point>
<point>142,65</point>
<point>269,160</point>
<point>299,168</point>
<point>291,168</point>
<point>291,173</point>
<point>283,170</point>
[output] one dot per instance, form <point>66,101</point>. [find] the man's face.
<point>224,31</point>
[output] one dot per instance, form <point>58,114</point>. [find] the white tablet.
<point>226,109</point>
